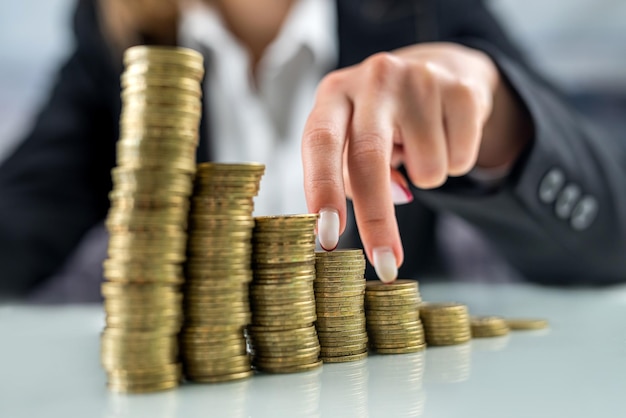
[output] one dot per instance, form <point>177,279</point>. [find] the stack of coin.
<point>445,323</point>
<point>217,306</point>
<point>526,324</point>
<point>339,299</point>
<point>148,217</point>
<point>393,320</point>
<point>488,326</point>
<point>282,336</point>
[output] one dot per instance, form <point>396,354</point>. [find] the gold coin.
<point>149,71</point>
<point>233,289</point>
<point>205,168</point>
<point>287,361</point>
<point>162,54</point>
<point>159,118</point>
<point>142,84</point>
<point>520,324</point>
<point>129,200</point>
<point>290,352</point>
<point>300,320</point>
<point>484,325</point>
<point>445,307</point>
<point>344,359</point>
<point>196,373</point>
<point>142,388</point>
<point>403,350</point>
<point>340,253</point>
<point>310,330</point>
<point>135,81</point>
<point>223,378</point>
<point>119,289</point>
<point>400,284</point>
<point>280,259</point>
<point>164,370</point>
<point>160,318</point>
<point>182,163</point>
<point>158,133</point>
<point>277,290</point>
<point>286,220</point>
<point>198,356</point>
<point>292,369</point>
<point>283,348</point>
<point>223,220</point>
<point>165,66</point>
<point>145,103</point>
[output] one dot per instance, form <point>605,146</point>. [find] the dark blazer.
<point>54,187</point>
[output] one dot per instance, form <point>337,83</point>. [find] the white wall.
<point>34,37</point>
<point>580,44</point>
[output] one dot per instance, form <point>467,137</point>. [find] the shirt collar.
<point>310,24</point>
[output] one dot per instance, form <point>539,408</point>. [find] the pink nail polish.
<point>400,195</point>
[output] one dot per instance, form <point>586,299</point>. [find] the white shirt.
<point>263,121</point>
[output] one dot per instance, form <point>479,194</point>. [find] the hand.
<point>438,109</point>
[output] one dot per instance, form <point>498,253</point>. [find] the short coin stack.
<point>526,324</point>
<point>445,323</point>
<point>393,320</point>
<point>148,217</point>
<point>339,297</point>
<point>488,326</point>
<point>217,307</point>
<point>282,336</point>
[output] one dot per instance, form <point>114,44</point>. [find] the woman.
<point>450,123</point>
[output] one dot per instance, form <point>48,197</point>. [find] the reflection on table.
<point>49,357</point>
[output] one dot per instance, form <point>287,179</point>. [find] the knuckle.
<point>366,150</point>
<point>374,223</point>
<point>323,185</point>
<point>460,163</point>
<point>424,80</point>
<point>321,137</point>
<point>464,92</point>
<point>332,82</point>
<point>428,176</point>
<point>382,67</point>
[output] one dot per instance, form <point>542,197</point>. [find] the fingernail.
<point>385,264</point>
<point>400,194</point>
<point>328,229</point>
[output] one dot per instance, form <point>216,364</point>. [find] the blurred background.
<point>579,44</point>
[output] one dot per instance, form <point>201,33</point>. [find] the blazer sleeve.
<point>560,217</point>
<point>53,188</point>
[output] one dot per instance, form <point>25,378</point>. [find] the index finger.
<point>323,142</point>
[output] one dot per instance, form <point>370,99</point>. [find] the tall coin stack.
<point>217,306</point>
<point>339,292</point>
<point>446,323</point>
<point>282,336</point>
<point>393,320</point>
<point>148,217</point>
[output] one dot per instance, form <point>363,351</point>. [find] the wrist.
<point>508,130</point>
